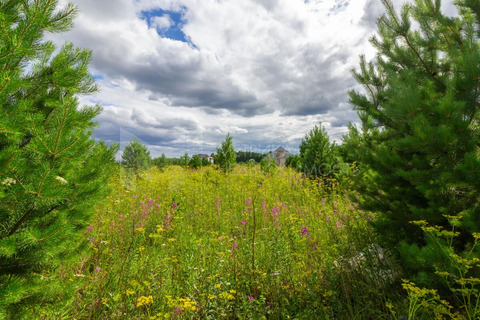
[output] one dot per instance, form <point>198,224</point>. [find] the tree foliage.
<point>136,156</point>
<point>51,170</point>
<point>225,157</point>
<point>419,147</point>
<point>317,154</point>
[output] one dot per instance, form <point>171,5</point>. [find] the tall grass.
<point>184,244</point>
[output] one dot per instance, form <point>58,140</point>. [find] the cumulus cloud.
<point>180,74</point>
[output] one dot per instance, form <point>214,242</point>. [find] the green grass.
<point>184,244</point>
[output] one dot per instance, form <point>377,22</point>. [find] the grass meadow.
<point>200,244</point>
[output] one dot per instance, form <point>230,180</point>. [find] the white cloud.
<point>162,22</point>
<point>264,70</point>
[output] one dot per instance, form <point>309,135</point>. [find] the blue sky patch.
<point>174,31</point>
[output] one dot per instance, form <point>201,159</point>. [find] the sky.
<point>181,74</point>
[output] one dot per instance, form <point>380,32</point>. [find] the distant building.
<point>280,155</point>
<point>206,156</point>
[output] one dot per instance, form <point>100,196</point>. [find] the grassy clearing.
<point>200,244</point>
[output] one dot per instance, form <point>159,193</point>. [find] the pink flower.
<point>249,202</point>
<point>122,216</point>
<point>134,196</point>
<point>250,298</point>
<point>305,231</point>
<point>150,201</point>
<point>174,204</point>
<point>90,228</point>
<point>98,269</point>
<point>243,222</point>
<point>339,223</point>
<point>235,245</point>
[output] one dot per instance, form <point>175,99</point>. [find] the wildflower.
<point>122,216</point>
<point>235,245</point>
<point>174,204</point>
<point>211,296</point>
<point>144,301</point>
<point>141,248</point>
<point>305,231</point>
<point>90,228</point>
<point>134,196</point>
<point>250,298</point>
<point>323,201</point>
<point>233,291</point>
<point>129,292</point>
<point>339,223</point>
<point>243,222</point>
<point>140,229</point>
<point>150,201</point>
<point>249,202</point>
<point>218,286</point>
<point>98,269</point>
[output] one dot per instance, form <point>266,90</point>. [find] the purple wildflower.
<point>250,298</point>
<point>235,245</point>
<point>249,202</point>
<point>122,216</point>
<point>339,223</point>
<point>305,230</point>
<point>90,228</point>
<point>174,204</point>
<point>98,269</point>
<point>134,196</point>
<point>243,222</point>
<point>150,201</point>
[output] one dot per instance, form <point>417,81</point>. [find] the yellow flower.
<point>141,248</point>
<point>144,301</point>
<point>129,292</point>
<point>140,229</point>
<point>218,286</point>
<point>233,291</point>
<point>211,296</point>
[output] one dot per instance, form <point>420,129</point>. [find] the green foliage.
<point>245,156</point>
<point>294,161</point>
<point>317,154</point>
<point>267,165</point>
<point>136,156</point>
<point>195,162</point>
<point>225,157</point>
<point>161,161</point>
<point>418,151</point>
<point>51,170</point>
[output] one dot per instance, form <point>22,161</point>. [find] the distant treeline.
<point>196,161</point>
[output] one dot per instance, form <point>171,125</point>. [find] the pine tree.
<point>51,170</point>
<point>420,145</point>
<point>317,153</point>
<point>225,157</point>
<point>136,156</point>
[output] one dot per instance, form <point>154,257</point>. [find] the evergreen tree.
<point>195,162</point>
<point>420,143</point>
<point>51,170</point>
<point>225,157</point>
<point>317,153</point>
<point>161,161</point>
<point>136,156</point>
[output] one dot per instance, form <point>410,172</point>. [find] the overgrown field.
<point>184,244</point>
